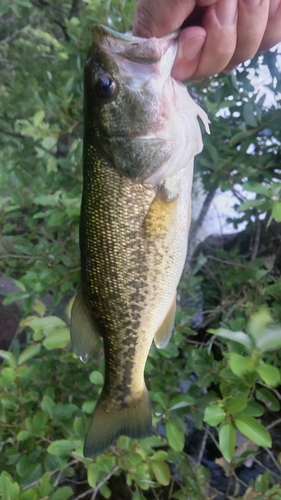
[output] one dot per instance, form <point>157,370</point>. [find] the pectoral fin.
<point>164,333</point>
<point>84,333</point>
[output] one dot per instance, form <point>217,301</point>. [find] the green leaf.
<point>61,447</point>
<point>270,340</point>
<point>160,455</point>
<point>48,406</point>
<point>28,353</point>
<point>269,374</point>
<point>254,408</point>
<point>105,491</point>
<point>23,435</point>
<point>97,378</point>
<point>39,307</point>
<point>227,441</point>
<point>276,211</point>
<point>93,472</point>
<point>240,364</point>
<point>79,427</point>
<point>45,486</point>
<point>253,430</point>
<point>9,357</point>
<point>269,400</point>
<point>38,117</point>
<point>248,114</point>
<point>29,494</point>
<point>214,415</point>
<point>9,489</point>
<point>46,323</point>
<point>240,337</point>
<point>256,187</point>
<point>23,466</point>
<point>63,493</point>
<point>9,400</point>
<point>181,401</point>
<point>57,338</point>
<point>258,324</point>
<point>175,435</point>
<point>236,404</point>
<point>162,472</point>
<point>240,136</point>
<point>88,406</point>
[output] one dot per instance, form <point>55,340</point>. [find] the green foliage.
<point>223,383</point>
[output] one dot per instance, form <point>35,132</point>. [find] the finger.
<point>251,26</point>
<point>191,42</point>
<point>159,18</point>
<point>272,33</point>
<point>219,21</point>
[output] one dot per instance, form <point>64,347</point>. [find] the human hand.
<point>216,35</point>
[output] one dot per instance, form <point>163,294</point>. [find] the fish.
<point>141,134</point>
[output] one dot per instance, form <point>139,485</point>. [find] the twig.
<point>258,462</point>
<point>229,262</point>
<point>75,8</point>
<point>82,495</point>
<point>198,223</point>
<point>171,489</point>
<point>277,465</point>
<point>273,424</point>
<point>51,473</point>
<point>17,135</point>
<point>13,35</point>
<point>257,236</point>
<point>103,481</point>
<point>213,439</point>
<point>16,256</point>
<point>155,494</point>
<point>12,133</point>
<point>56,483</point>
<point>203,445</point>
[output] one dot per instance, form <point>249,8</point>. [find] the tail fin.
<point>133,421</point>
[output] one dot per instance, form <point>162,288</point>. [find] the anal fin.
<point>84,333</point>
<point>164,333</point>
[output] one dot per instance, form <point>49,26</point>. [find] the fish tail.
<point>134,421</point>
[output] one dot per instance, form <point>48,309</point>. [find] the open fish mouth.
<point>133,48</point>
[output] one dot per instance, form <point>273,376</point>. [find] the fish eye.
<point>105,87</point>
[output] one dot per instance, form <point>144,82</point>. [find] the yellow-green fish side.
<point>133,244</point>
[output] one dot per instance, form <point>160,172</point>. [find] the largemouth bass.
<point>140,137</point>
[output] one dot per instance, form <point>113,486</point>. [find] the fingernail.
<point>192,50</point>
<point>273,6</point>
<point>226,12</point>
<point>252,3</point>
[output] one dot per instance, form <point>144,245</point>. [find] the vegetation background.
<point>215,390</point>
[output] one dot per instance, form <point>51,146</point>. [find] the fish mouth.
<point>133,48</point>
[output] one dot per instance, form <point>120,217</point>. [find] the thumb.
<point>160,17</point>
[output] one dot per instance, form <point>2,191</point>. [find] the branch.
<point>17,135</point>
<point>257,235</point>
<point>15,256</point>
<point>75,8</point>
<point>13,35</point>
<point>198,223</point>
<point>11,133</point>
<point>103,481</point>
